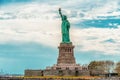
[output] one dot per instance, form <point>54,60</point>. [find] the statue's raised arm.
<point>60,12</point>
<point>65,26</point>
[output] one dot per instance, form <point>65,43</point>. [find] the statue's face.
<point>64,17</point>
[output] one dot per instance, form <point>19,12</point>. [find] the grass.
<point>65,77</point>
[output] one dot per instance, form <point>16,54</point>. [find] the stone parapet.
<point>30,73</point>
<point>67,67</point>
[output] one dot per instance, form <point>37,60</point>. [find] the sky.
<point>30,32</point>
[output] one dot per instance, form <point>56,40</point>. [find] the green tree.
<point>96,67</point>
<point>101,67</point>
<point>109,66</point>
<point>117,69</point>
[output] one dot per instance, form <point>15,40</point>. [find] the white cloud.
<point>44,32</point>
<point>109,8</point>
<point>36,10</point>
<point>97,42</point>
<point>37,23</point>
<point>29,11</point>
<point>48,33</point>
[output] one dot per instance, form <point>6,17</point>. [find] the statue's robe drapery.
<point>65,31</point>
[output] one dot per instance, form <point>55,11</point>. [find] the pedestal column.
<point>66,54</point>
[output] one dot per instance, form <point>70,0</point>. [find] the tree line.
<point>103,67</point>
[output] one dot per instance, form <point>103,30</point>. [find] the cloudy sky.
<point>30,32</point>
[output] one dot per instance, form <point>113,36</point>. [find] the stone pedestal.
<point>66,54</point>
<point>66,60</point>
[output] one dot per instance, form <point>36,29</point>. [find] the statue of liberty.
<point>65,28</point>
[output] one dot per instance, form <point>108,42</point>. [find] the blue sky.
<point>30,32</point>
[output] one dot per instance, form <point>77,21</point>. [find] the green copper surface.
<point>65,26</point>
